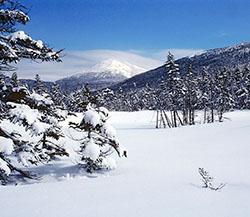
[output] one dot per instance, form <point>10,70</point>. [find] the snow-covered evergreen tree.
<point>190,96</point>
<point>57,96</point>
<point>14,46</point>
<point>224,99</point>
<point>174,87</point>
<point>39,86</point>
<point>99,141</point>
<point>107,98</point>
<point>247,88</point>
<point>14,80</point>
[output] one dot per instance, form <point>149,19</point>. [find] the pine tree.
<point>40,118</point>
<point>99,141</point>
<point>14,80</point>
<point>247,88</point>
<point>57,96</point>
<point>133,99</point>
<point>239,87</point>
<point>173,86</point>
<point>148,96</point>
<point>224,100</point>
<point>107,98</point>
<point>14,46</point>
<point>39,86</point>
<point>190,96</point>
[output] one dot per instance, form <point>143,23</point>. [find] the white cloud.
<point>75,61</point>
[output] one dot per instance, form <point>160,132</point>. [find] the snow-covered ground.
<point>159,177</point>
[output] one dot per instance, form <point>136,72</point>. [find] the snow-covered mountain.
<point>214,59</point>
<point>115,67</point>
<point>103,74</point>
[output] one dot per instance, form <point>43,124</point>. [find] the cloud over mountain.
<point>75,61</point>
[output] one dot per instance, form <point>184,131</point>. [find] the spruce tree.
<point>173,86</point>
<point>39,86</point>
<point>224,100</point>
<point>14,46</point>
<point>100,140</point>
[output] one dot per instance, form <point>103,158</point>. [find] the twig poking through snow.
<point>207,180</point>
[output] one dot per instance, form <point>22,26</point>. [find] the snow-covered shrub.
<point>99,141</point>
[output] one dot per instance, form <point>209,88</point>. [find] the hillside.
<point>229,57</point>
<point>101,75</point>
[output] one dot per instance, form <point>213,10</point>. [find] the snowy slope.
<point>117,67</point>
<point>214,59</point>
<point>159,177</point>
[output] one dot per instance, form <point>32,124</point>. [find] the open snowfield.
<point>159,177</point>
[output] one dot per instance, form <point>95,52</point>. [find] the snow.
<point>39,44</point>
<point>159,178</point>
<point>91,150</point>
<point>4,167</point>
<point>116,67</point>
<point>92,117</point>
<point>19,35</point>
<point>109,163</point>
<point>6,145</point>
<point>105,112</point>
<point>108,131</point>
<point>15,15</point>
<point>22,112</point>
<point>41,99</point>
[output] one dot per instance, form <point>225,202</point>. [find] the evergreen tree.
<point>224,101</point>
<point>39,86</point>
<point>15,46</point>
<point>247,88</point>
<point>173,86</point>
<point>206,100</point>
<point>239,89</point>
<point>133,98</point>
<point>99,141</point>
<point>14,80</point>
<point>190,96</point>
<point>57,96</point>
<point>107,98</point>
<point>148,97</point>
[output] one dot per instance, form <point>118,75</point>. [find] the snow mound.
<point>91,150</point>
<point>4,167</point>
<point>108,131</point>
<point>23,113</point>
<point>41,99</point>
<point>109,163</point>
<point>6,145</point>
<point>92,117</point>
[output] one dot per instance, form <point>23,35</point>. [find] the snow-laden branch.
<point>13,15</point>
<point>18,45</point>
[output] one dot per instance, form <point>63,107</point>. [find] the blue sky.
<point>139,24</point>
<point>147,28</point>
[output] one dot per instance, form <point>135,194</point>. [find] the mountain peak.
<point>117,67</point>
